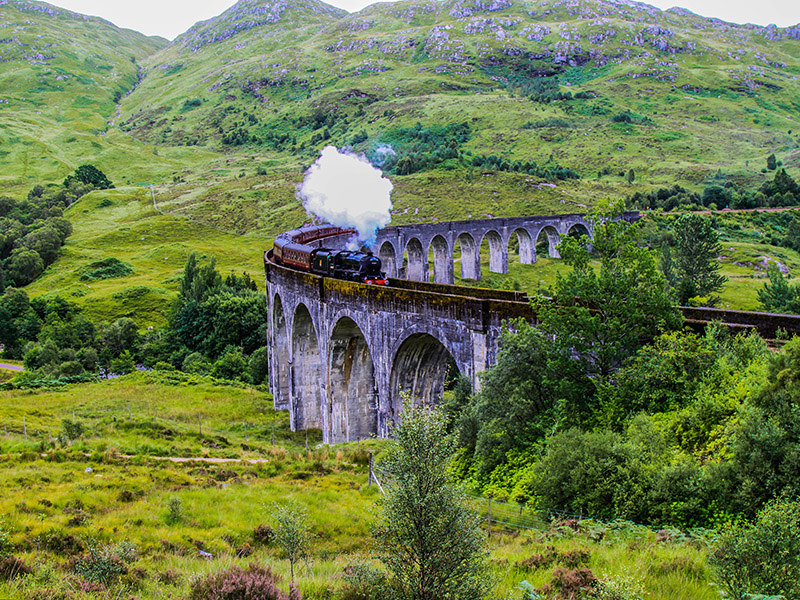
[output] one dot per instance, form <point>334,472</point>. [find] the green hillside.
<point>673,96</point>
<point>473,109</point>
<point>61,76</point>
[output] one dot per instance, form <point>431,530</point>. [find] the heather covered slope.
<point>61,74</point>
<point>598,87</point>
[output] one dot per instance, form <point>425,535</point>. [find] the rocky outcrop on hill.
<point>253,14</point>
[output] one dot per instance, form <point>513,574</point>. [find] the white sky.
<point>169,18</point>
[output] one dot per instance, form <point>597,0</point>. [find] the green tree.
<point>771,162</point>
<point>24,265</point>
<point>430,542</point>
<point>663,376</point>
<point>517,402</point>
<point>777,295</point>
<point>697,258</point>
<point>292,533</point>
<point>90,175</point>
<point>599,318</point>
<point>763,557</point>
<point>231,365</point>
<point>259,365</point>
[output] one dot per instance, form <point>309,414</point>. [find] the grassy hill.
<point>224,120</point>
<point>61,77</point>
<point>673,96</point>
<point>108,485</point>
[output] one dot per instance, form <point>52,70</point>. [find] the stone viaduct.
<point>343,355</point>
<point>411,251</point>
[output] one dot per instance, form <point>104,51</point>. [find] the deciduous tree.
<point>428,539</point>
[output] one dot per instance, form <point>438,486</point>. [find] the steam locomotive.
<point>303,249</point>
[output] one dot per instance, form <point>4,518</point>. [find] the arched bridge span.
<point>343,354</point>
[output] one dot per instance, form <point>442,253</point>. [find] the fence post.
<point>73,415</point>
<point>371,466</point>
<point>200,424</point>
<point>489,522</point>
<point>25,428</point>
<point>245,433</point>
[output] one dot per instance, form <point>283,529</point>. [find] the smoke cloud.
<point>346,190</point>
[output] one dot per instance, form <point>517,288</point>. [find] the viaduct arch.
<point>406,250</point>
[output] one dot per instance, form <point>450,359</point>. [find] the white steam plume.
<point>346,190</point>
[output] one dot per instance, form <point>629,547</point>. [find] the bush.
<point>11,567</point>
<point>72,430</point>
<point>105,564</point>
<point>762,558</point>
<point>263,534</point>
<point>174,510</point>
<point>106,269</point>
<point>253,583</point>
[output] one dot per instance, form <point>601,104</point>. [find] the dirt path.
<point>205,459</point>
<point>11,367</point>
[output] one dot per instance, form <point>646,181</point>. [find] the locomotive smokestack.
<point>346,190</point>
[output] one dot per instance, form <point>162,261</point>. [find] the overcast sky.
<point>169,18</point>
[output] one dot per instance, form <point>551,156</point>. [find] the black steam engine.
<point>303,249</point>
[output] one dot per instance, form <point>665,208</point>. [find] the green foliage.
<point>174,510</point>
<point>517,402</point>
<point>259,365</point>
<point>292,533</point>
<point>91,176</point>
<point>762,557</point>
<point>428,540</point>
<point>777,295</point>
<point>601,319</point>
<point>106,269</point>
<point>771,162</point>
<point>590,472</point>
<point>231,365</point>
<point>697,258</point>
<point>663,376</point>
<point>72,430</point>
<point>105,563</point>
<point>212,314</point>
<point>5,543</point>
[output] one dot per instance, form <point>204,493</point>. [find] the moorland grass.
<point>59,495</point>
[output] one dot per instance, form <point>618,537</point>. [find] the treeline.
<point>781,191</point>
<point>609,408</point>
<point>33,230</point>
<point>216,327</point>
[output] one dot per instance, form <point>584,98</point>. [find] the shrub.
<point>72,430</point>
<point>59,542</point>
<point>573,584</point>
<point>619,588</point>
<point>106,269</point>
<point>174,510</point>
<point>764,557</point>
<point>11,567</point>
<point>253,583</point>
<point>263,534</point>
<point>105,564</point>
